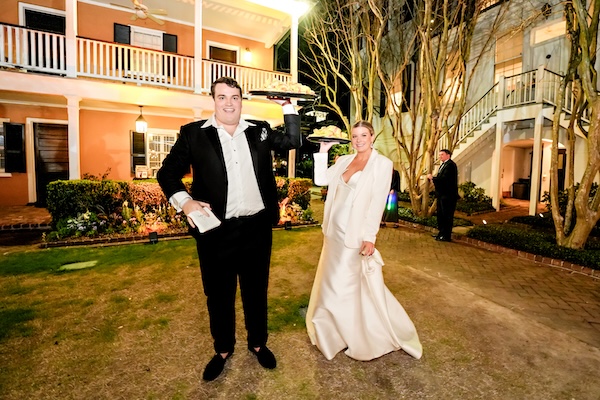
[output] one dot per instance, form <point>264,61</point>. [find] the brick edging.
<point>25,227</point>
<point>552,262</point>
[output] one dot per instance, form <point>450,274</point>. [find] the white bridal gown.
<point>350,307</point>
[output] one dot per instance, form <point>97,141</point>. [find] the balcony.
<point>43,52</point>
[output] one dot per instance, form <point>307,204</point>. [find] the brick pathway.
<point>563,300</point>
<point>558,298</point>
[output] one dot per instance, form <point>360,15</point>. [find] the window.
<point>547,32</point>
<point>146,38</point>
<point>2,156</point>
<point>159,145</point>
<point>151,148</point>
<point>509,59</point>
<point>223,52</point>
<point>12,147</point>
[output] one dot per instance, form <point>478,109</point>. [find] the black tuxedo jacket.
<point>200,149</point>
<point>446,181</point>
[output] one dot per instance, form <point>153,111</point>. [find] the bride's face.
<point>361,139</point>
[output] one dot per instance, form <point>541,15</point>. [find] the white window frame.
<point>162,133</point>
<point>3,173</point>
<point>25,6</point>
<point>501,65</point>
<point>237,49</point>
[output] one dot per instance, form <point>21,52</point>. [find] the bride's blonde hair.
<point>364,124</point>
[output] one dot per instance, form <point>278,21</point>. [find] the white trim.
<point>237,49</point>
<point>2,173</point>
<point>30,152</point>
<point>25,6</point>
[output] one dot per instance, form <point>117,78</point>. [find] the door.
<point>51,157</point>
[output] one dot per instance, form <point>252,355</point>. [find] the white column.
<point>536,167</point>
<point>294,72</point>
<point>73,137</point>
<point>496,180</point>
<point>197,113</point>
<point>71,37</point>
<point>198,44</point>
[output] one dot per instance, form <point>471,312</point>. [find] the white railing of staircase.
<point>519,89</point>
<point>32,50</point>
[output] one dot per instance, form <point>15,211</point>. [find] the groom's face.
<point>228,104</point>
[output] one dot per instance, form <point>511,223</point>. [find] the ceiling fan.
<point>142,11</point>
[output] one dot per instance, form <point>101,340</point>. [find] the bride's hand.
<point>325,146</point>
<point>367,249</point>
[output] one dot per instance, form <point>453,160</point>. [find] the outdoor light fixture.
<point>153,237</point>
<point>287,225</point>
<point>140,123</point>
<point>247,55</point>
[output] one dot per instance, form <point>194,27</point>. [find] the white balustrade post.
<point>539,84</point>
<point>71,37</point>
<point>501,93</point>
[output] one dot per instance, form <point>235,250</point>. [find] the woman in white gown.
<point>350,307</point>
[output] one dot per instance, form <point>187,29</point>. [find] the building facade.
<point>76,75</point>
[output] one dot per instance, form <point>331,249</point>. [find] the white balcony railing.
<point>97,59</point>
<point>32,50</point>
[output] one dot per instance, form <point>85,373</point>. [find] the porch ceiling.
<point>244,18</point>
<point>45,100</point>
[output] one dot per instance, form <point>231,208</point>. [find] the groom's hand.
<point>194,205</point>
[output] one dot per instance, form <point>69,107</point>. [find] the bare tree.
<point>582,209</point>
<point>371,47</point>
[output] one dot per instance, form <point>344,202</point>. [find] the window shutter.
<point>14,147</point>
<point>170,45</point>
<point>122,34</point>
<point>138,149</point>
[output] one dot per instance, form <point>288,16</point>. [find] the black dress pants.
<point>445,215</point>
<point>240,248</point>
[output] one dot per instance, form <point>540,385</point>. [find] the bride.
<point>350,307</point>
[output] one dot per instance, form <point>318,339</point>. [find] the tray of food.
<point>277,88</point>
<point>285,95</point>
<point>329,133</point>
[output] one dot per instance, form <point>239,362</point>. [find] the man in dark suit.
<point>446,193</point>
<point>232,171</point>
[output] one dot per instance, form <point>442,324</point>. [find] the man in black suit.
<point>446,193</point>
<point>232,171</point>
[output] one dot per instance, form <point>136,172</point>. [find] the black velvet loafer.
<point>215,367</point>
<point>265,357</point>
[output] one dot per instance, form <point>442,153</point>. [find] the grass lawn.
<point>134,326</point>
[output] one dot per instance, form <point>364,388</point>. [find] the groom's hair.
<point>232,83</point>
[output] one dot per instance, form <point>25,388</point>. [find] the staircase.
<point>519,91</point>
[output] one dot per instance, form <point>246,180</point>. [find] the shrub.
<point>71,198</point>
<point>535,242</point>
<point>473,199</point>
<point>299,191</point>
<point>282,188</point>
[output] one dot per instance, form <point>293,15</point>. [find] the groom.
<point>233,175</point>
